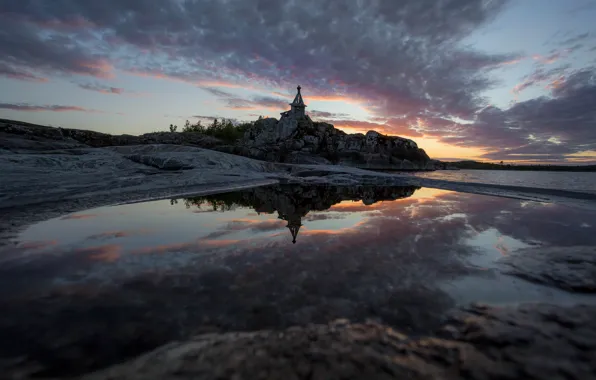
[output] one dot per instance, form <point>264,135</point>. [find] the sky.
<point>492,80</point>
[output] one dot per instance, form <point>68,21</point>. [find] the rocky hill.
<point>322,143</point>
<point>307,142</point>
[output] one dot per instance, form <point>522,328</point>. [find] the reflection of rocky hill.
<point>292,203</point>
<point>302,199</point>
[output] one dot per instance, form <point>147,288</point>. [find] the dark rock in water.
<point>480,342</point>
<point>569,268</point>
<point>305,141</point>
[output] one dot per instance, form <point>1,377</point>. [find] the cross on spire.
<point>298,102</point>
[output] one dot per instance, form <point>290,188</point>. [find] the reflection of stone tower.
<point>294,223</point>
<point>294,226</point>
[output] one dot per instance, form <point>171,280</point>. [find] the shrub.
<point>224,130</point>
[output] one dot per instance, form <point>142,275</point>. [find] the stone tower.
<point>298,106</point>
<point>289,119</point>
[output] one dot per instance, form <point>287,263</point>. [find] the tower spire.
<point>294,231</point>
<point>298,107</point>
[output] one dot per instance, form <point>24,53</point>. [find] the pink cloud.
<point>24,107</point>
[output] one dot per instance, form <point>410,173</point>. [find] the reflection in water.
<point>292,203</point>
<point>132,277</point>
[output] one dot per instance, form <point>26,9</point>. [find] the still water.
<point>92,288</point>
<point>582,182</point>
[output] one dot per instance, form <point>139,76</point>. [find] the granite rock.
<point>273,140</point>
<point>480,342</point>
<point>569,268</point>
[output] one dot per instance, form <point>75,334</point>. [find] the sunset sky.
<point>490,80</point>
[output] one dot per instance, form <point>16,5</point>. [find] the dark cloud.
<point>542,76</point>
<point>217,92</point>
<point>255,102</point>
<point>545,128</point>
<point>392,126</point>
<point>35,48</point>
<point>20,74</point>
<point>101,88</point>
<point>324,46</point>
<point>38,108</point>
<point>323,115</point>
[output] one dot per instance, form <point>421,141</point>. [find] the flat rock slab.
<point>534,341</point>
<point>569,268</point>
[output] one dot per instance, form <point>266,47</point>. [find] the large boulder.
<point>306,141</point>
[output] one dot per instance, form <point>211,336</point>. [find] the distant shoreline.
<point>474,165</point>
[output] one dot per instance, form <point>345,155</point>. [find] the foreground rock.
<point>529,342</point>
<point>569,268</point>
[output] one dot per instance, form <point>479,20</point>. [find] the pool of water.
<point>574,181</point>
<point>92,288</point>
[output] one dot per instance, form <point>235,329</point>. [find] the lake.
<point>92,288</point>
<point>583,182</point>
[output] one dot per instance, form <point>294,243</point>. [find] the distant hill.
<point>539,167</point>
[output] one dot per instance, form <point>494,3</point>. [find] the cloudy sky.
<point>486,79</point>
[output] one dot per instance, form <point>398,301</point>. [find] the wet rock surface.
<point>571,268</point>
<point>531,341</point>
<point>481,342</point>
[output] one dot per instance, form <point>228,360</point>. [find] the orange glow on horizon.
<point>433,147</point>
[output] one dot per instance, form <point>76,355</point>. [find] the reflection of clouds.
<point>118,234</point>
<point>501,246</point>
<point>107,253</point>
<point>390,265</point>
<point>316,216</point>
<point>79,216</point>
<point>165,248</point>
<point>254,225</point>
<point>35,245</point>
<point>198,246</point>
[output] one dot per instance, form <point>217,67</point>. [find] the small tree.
<point>173,128</point>
<point>196,128</point>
